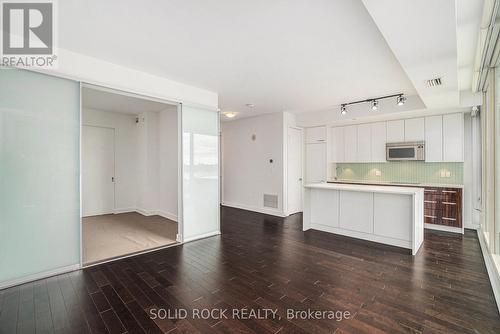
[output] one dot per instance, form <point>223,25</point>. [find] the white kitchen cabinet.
<point>336,144</point>
<point>453,137</point>
<point>356,211</point>
<point>396,131</point>
<point>378,140</point>
<point>315,162</point>
<point>325,208</point>
<point>316,134</point>
<point>364,134</point>
<point>351,143</point>
<point>434,138</point>
<point>415,129</point>
<point>390,211</point>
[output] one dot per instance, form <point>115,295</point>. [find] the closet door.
<point>200,172</point>
<point>39,174</point>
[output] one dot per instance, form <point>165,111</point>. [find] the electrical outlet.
<point>448,174</point>
<point>378,173</point>
<point>443,173</point>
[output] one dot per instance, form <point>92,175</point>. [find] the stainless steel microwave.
<point>405,151</point>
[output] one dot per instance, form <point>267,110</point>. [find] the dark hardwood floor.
<point>262,262</point>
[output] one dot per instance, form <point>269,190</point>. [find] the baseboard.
<point>124,210</point>
<point>38,276</point>
<point>444,228</point>
<point>144,212</point>
<point>493,273</point>
<point>266,211</point>
<point>202,236</point>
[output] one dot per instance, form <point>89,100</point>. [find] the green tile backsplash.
<point>401,171</point>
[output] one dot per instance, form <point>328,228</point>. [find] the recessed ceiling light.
<point>229,114</point>
<point>374,105</point>
<point>250,105</point>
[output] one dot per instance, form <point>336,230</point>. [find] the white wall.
<point>468,174</point>
<point>146,161</point>
<point>247,172</point>
<point>125,153</point>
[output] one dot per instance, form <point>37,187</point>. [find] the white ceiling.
<point>285,55</point>
<point>108,101</point>
<point>279,55</point>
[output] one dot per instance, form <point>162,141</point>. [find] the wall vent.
<point>434,82</point>
<point>271,201</point>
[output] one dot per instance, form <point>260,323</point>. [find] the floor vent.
<point>271,201</point>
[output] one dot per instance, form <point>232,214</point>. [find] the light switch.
<point>443,173</point>
<point>448,174</point>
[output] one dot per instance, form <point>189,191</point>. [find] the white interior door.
<point>294,170</point>
<point>98,170</point>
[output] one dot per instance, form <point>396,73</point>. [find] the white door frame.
<point>180,226</point>
<point>285,205</point>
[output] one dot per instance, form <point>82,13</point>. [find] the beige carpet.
<point>109,236</point>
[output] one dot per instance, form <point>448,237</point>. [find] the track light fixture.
<point>401,100</point>
<point>343,109</point>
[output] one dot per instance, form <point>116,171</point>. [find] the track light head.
<point>374,105</point>
<point>343,109</point>
<point>401,100</point>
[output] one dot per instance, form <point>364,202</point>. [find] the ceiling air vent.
<point>434,82</point>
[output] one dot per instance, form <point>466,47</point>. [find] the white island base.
<point>385,214</point>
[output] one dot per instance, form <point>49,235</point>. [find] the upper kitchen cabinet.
<point>434,138</point>
<point>453,137</point>
<point>364,133</point>
<point>378,140</point>
<point>316,134</point>
<point>336,145</point>
<point>396,131</point>
<point>414,129</point>
<point>315,162</point>
<point>351,143</point>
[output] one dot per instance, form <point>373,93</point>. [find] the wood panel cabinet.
<point>443,206</point>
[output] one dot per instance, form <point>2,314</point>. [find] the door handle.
<point>300,179</point>
<point>112,179</point>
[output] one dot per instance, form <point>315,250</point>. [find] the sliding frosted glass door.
<point>39,174</point>
<point>200,149</point>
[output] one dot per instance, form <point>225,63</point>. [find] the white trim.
<point>493,273</point>
<point>202,236</point>
<point>131,255</point>
<point>160,213</point>
<point>444,228</point>
<point>364,236</point>
<point>266,211</point>
<point>38,276</point>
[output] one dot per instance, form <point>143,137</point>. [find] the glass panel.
<point>200,145</point>
<point>39,173</point>
<point>402,153</point>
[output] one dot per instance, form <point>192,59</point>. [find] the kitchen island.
<point>384,214</point>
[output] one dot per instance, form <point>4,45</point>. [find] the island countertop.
<point>391,215</point>
<point>367,188</point>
